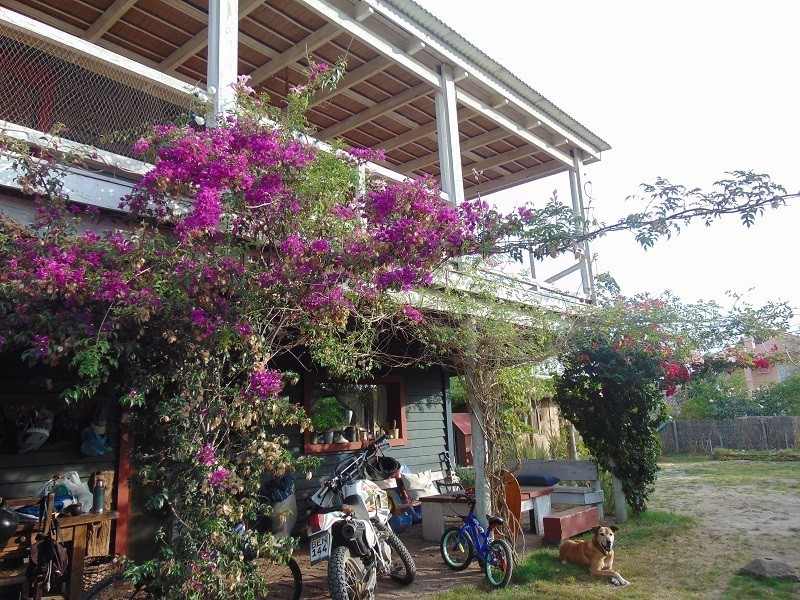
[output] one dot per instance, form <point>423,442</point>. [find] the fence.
<point>745,433</point>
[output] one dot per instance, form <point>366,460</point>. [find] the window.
<point>347,416</point>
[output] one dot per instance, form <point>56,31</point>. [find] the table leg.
<point>542,507</point>
<point>432,521</point>
<point>77,561</point>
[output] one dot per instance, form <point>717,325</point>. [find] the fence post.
<point>675,433</point>
<point>764,433</point>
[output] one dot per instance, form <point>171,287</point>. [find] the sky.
<point>681,90</point>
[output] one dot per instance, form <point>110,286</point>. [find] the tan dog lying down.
<point>597,554</point>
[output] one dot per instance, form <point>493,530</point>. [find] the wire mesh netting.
<point>744,433</point>
<point>44,84</point>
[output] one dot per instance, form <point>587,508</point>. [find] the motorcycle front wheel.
<point>347,576</point>
<point>403,568</point>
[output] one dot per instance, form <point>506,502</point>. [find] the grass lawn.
<point>672,556</point>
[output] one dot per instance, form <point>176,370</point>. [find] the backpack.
<point>48,557</point>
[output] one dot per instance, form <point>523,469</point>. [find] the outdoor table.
<point>76,530</point>
<point>433,514</point>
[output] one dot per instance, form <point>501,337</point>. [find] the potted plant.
<point>327,416</point>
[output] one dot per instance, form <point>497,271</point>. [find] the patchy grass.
<point>765,455</point>
<point>755,588</point>
<point>669,556</point>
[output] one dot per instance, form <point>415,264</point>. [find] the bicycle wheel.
<point>456,548</point>
<point>113,587</point>
<point>499,563</point>
<point>284,580</point>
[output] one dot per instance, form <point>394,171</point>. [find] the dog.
<point>597,554</point>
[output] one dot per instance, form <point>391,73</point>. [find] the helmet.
<point>382,467</point>
<point>35,430</point>
<point>9,520</point>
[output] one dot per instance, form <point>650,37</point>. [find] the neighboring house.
<point>783,353</point>
<point>413,87</point>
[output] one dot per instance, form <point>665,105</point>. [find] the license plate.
<point>320,547</point>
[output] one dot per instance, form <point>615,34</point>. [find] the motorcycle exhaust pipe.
<point>353,530</point>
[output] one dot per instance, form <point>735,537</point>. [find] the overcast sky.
<point>683,90</point>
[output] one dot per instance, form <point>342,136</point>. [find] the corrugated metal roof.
<point>463,423</point>
<point>438,29</point>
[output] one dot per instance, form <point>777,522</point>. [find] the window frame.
<point>392,380</point>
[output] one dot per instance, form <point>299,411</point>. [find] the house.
<point>413,87</point>
<point>782,352</point>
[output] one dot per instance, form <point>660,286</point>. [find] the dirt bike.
<point>349,527</point>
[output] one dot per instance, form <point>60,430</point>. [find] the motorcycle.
<point>349,527</point>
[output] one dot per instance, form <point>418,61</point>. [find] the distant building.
<point>783,353</point>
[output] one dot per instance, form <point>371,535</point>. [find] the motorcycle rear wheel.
<point>347,576</point>
<point>403,568</point>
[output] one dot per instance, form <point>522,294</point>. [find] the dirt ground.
<point>432,574</point>
<point>735,524</point>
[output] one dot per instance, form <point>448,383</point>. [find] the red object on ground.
<point>566,523</point>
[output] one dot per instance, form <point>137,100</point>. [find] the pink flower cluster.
<point>206,455</point>
<point>265,384</point>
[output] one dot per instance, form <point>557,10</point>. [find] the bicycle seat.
<point>495,521</point>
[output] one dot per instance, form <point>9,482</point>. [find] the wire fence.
<point>44,84</point>
<point>745,433</point>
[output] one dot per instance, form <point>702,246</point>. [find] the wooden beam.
<point>354,77</point>
<point>187,9</point>
<point>200,39</point>
<point>348,24</point>
<point>502,158</point>
<point>106,20</point>
<point>514,127</point>
<point>466,146</point>
<point>362,12</point>
<point>543,170</point>
<point>302,48</point>
<point>375,110</point>
<point>414,45</point>
<point>422,131</point>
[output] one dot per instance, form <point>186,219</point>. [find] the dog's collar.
<point>599,547</point>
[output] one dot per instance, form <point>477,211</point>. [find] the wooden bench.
<point>588,493</point>
<point>573,521</point>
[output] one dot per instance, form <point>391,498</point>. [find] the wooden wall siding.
<point>425,422</point>
<point>23,389</point>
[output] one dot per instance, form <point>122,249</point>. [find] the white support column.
<point>223,57</point>
<point>483,495</point>
<point>452,179</point>
<point>576,189</point>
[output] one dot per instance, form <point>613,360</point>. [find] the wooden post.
<point>123,491</point>
<point>573,447</point>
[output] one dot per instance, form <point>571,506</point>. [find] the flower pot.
<point>327,437</point>
<point>351,433</point>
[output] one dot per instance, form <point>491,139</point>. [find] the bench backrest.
<point>565,470</point>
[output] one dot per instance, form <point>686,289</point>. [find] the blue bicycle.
<point>459,545</point>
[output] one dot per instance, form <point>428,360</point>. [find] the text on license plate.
<point>320,547</point>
